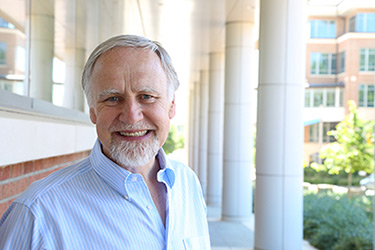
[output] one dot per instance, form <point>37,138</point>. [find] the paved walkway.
<point>227,235</point>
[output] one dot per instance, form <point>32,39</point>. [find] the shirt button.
<point>126,197</point>
<point>149,207</point>
<point>134,178</point>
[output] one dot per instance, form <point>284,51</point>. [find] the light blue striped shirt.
<point>95,204</point>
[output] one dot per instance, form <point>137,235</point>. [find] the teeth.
<point>139,133</point>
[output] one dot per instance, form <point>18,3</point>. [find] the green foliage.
<point>313,176</point>
<point>353,150</point>
<point>174,141</point>
<point>336,222</point>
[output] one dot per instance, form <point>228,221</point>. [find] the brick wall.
<point>14,179</point>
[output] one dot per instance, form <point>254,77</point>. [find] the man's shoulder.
<point>53,181</point>
<point>183,173</point>
<point>180,167</point>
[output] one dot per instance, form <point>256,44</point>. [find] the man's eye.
<point>112,99</point>
<point>146,97</point>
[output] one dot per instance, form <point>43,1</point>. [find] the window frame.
<point>3,51</point>
<point>363,95</point>
<point>361,22</point>
<point>341,67</point>
<point>314,132</point>
<point>330,59</point>
<point>320,28</point>
<point>367,60</point>
<point>337,96</point>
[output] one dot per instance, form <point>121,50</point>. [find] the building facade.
<point>340,66</point>
<point>214,46</point>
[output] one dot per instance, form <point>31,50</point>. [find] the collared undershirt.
<point>95,204</point>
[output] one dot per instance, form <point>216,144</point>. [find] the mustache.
<point>137,126</point>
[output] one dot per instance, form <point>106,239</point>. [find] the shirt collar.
<point>116,176</point>
<point>166,173</point>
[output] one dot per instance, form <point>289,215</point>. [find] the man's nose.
<point>131,111</point>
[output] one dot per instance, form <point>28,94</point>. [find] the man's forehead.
<point>130,60</point>
<point>143,89</point>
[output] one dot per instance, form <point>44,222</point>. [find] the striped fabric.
<point>95,204</point>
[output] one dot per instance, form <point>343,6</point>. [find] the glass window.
<point>315,135</point>
<point>362,59</point>
<point>313,132</point>
<point>341,104</point>
<point>13,47</point>
<point>329,126</point>
<point>325,131</point>
<point>333,62</point>
<point>365,22</point>
<point>324,97</point>
<point>3,50</point>
<point>361,96</point>
<point>5,24</point>
<point>307,98</point>
<point>342,62</point>
<point>362,22</point>
<point>366,95</point>
<point>322,29</point>
<point>314,62</point>
<point>352,24</point>
<point>19,51</point>
<point>370,95</point>
<point>318,97</point>
<point>371,60</point>
<point>322,63</point>
<point>367,59</point>
<point>331,96</point>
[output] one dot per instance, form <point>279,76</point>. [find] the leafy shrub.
<point>336,222</point>
<point>175,139</point>
<point>314,177</point>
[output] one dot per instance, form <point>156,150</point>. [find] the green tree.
<point>353,149</point>
<point>174,140</point>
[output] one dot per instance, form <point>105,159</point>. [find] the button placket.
<point>126,195</point>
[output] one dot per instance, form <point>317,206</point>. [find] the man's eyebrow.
<point>148,90</point>
<point>107,92</point>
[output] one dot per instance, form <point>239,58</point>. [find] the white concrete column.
<point>215,131</point>
<point>73,92</point>
<point>42,48</point>
<point>92,24</point>
<point>203,129</point>
<point>75,54</point>
<point>279,155</point>
<point>238,135</point>
<point>196,127</point>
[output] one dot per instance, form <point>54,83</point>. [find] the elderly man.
<point>126,194</point>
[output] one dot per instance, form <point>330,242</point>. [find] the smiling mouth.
<point>134,134</point>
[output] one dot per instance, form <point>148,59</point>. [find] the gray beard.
<point>133,154</point>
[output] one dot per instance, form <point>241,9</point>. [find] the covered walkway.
<point>229,235</point>
<point>238,61</point>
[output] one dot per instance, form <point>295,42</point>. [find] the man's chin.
<point>133,155</point>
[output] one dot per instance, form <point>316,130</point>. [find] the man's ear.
<point>172,109</point>
<point>92,115</point>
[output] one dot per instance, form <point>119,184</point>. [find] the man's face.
<point>131,107</point>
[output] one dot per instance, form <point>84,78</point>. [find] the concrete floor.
<point>227,235</point>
